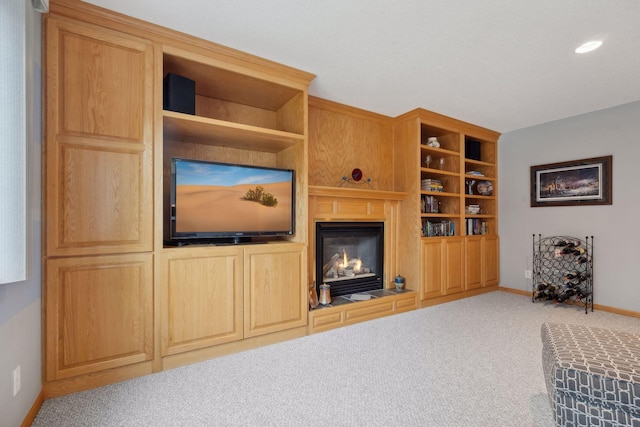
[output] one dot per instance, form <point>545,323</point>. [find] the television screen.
<point>212,200</point>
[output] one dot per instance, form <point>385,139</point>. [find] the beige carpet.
<point>473,362</point>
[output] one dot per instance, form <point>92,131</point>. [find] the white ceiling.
<point>501,64</point>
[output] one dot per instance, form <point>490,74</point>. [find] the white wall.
<point>614,131</point>
<point>21,334</point>
<point>20,302</point>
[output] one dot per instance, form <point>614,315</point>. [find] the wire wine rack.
<point>563,270</point>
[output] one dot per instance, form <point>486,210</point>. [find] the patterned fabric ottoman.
<point>592,375</point>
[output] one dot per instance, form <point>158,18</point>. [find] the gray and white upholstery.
<point>592,375</point>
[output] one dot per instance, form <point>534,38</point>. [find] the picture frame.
<point>572,183</point>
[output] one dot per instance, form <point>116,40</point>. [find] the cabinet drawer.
<point>322,322</point>
<point>323,319</point>
<point>366,312</point>
<point>406,304</point>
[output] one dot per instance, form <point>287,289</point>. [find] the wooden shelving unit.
<point>245,116</point>
<point>108,276</point>
<point>450,224</point>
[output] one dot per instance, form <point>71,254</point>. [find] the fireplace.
<point>349,256</point>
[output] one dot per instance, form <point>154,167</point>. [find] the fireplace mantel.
<point>355,193</point>
<point>352,203</point>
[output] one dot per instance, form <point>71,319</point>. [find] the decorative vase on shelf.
<point>399,282</point>
<point>484,188</point>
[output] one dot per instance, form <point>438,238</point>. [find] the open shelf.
<point>478,162</point>
<point>203,130</point>
<point>218,82</point>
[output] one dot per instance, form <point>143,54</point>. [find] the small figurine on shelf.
<point>432,141</point>
<point>313,295</point>
<point>470,183</point>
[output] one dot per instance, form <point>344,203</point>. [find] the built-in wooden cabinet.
<point>98,198</point>
<point>432,275</point>
<point>200,298</point>
<point>449,169</point>
<point>242,116</point>
<point>117,302</point>
<point>474,264</point>
<point>99,138</point>
<point>481,260</point>
<point>443,263</point>
<point>274,295</point>
<point>454,261</point>
<point>490,260</point>
<point>99,312</point>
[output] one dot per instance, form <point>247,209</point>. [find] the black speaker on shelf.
<point>179,94</point>
<point>472,149</point>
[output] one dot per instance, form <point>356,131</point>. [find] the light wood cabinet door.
<point>482,262</point>
<point>474,270</point>
<point>443,262</point>
<point>275,288</point>
<point>454,265</point>
<point>491,260</point>
<point>98,148</point>
<point>98,313</point>
<point>200,298</point>
<point>433,268</point>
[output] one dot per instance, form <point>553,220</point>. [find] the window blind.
<point>13,167</point>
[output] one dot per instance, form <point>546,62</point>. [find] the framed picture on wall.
<point>577,182</point>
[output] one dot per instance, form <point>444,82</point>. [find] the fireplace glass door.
<point>349,256</point>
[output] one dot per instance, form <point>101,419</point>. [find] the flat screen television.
<point>229,203</point>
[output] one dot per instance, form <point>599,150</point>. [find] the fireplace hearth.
<point>349,256</point>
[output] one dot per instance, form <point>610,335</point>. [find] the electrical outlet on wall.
<point>527,274</point>
<point>17,381</point>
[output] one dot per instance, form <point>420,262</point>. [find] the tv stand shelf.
<point>203,130</point>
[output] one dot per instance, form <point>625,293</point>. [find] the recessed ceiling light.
<point>588,46</point>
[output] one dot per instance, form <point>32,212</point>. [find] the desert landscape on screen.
<point>212,208</point>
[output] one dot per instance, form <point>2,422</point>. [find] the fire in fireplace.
<point>349,256</point>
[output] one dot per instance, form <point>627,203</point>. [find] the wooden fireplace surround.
<point>354,204</point>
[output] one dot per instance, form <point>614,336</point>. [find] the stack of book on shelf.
<point>472,209</point>
<point>476,226</point>
<point>440,228</point>
<point>430,184</point>
<point>429,204</point>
